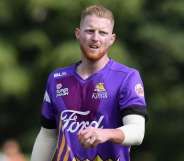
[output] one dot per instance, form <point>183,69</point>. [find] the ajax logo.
<point>99,87</point>
<point>99,91</point>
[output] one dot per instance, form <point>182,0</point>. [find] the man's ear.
<point>77,33</point>
<point>113,38</point>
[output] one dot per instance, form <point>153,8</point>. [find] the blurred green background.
<point>37,36</point>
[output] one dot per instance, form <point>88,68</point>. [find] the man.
<point>95,109</point>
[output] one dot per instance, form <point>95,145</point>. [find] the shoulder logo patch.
<point>139,90</point>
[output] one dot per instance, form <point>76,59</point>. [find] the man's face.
<point>95,37</point>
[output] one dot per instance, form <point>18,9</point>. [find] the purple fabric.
<point>96,101</point>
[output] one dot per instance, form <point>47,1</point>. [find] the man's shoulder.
<point>62,71</point>
<point>121,68</point>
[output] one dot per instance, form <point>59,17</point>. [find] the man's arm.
<point>131,133</point>
<point>45,145</point>
<point>133,129</point>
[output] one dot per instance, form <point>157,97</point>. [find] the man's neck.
<point>86,68</point>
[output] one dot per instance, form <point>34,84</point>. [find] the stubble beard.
<point>93,56</point>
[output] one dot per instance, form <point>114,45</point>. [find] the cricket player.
<point>95,109</point>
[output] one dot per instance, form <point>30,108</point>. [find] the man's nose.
<point>95,36</point>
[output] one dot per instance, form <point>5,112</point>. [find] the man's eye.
<point>89,31</point>
<point>103,33</point>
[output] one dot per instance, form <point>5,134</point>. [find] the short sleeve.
<point>131,96</point>
<point>47,109</point>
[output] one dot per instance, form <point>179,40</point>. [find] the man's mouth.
<point>94,46</point>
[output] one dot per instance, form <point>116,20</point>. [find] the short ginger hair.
<point>99,11</point>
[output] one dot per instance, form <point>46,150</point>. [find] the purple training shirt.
<point>71,103</point>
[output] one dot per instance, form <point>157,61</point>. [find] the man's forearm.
<point>114,135</point>
<point>131,133</point>
<point>44,146</point>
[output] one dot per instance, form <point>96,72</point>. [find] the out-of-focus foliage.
<point>37,36</point>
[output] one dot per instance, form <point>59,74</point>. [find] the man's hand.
<point>90,137</point>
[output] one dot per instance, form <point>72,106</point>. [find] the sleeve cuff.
<point>139,110</point>
<point>48,123</point>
